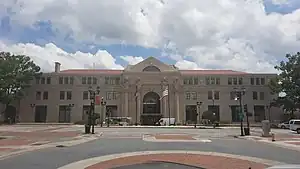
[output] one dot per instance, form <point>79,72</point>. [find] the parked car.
<point>284,125</point>
<point>295,125</point>
<point>289,166</point>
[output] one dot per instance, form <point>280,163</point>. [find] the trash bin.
<point>87,129</point>
<point>247,131</point>
<point>266,128</point>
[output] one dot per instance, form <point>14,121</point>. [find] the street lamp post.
<point>198,113</point>
<point>32,107</point>
<point>93,94</point>
<point>239,93</point>
<point>103,103</point>
<point>108,112</point>
<point>69,111</point>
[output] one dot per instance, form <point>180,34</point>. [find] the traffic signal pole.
<point>241,111</point>
<point>247,116</point>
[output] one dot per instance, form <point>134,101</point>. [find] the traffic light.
<point>245,109</point>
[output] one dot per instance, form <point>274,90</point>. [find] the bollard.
<point>273,137</point>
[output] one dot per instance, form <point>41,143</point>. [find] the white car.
<point>291,166</point>
<point>284,125</point>
<point>295,125</point>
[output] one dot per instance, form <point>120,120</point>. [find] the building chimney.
<point>57,67</point>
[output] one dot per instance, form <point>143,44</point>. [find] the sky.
<point>243,35</point>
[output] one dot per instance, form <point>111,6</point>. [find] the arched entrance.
<point>151,109</point>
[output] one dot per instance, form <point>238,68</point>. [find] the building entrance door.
<point>151,109</point>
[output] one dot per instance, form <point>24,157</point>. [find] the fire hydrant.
<point>273,136</point>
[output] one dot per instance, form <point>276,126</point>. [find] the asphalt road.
<point>222,140</point>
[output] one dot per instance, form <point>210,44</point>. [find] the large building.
<point>137,92</point>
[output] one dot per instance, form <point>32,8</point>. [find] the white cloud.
<point>45,56</point>
<point>229,34</point>
<point>131,59</point>
<point>185,65</point>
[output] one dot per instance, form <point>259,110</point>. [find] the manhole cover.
<point>158,165</point>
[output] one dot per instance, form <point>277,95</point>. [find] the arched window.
<point>151,69</point>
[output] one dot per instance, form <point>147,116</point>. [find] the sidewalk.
<point>290,141</point>
<point>17,140</point>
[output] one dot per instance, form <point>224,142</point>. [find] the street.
<point>132,144</point>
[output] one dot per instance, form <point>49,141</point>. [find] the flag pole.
<point>169,109</point>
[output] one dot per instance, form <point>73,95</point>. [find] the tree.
<point>16,73</point>
<point>288,82</point>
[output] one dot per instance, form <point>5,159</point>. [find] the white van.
<point>295,125</point>
<point>165,121</point>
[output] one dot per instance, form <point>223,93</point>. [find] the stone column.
<point>177,106</point>
<point>138,98</point>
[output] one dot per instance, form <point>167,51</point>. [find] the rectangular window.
<point>240,81</point>
<point>229,81</point>
<point>48,80</point>
<point>185,81</point>
<point>252,81</point>
<point>216,95</point>
<point>37,80</point>
<point>71,80</point>
<point>117,80</point>
<point>194,95</point>
<point>254,95</point>
<point>89,80</point>
<point>114,95</point>
<point>45,96</point>
<point>43,80</point>
<point>207,81</point>
<point>112,81</point>
<point>108,95</point>
<point>62,95</point>
<point>261,95</point>
<point>69,95</point>
<point>38,95</point>
<point>218,81</point>
<point>232,95</point>
<point>188,96</point>
<point>61,80</point>
<point>94,80</point>
<point>195,81</point>
<point>106,80</point>
<point>210,95</point>
<point>190,81</point>
<point>212,81</point>
<point>262,81</point>
<point>234,81</point>
<point>257,81</point>
<point>85,95</point>
<point>66,80</point>
<point>83,80</point>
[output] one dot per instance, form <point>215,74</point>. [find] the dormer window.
<point>151,69</point>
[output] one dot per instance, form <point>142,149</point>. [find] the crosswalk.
<point>121,135</point>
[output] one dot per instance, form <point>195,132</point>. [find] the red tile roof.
<point>184,72</point>
<point>91,71</point>
<point>212,72</point>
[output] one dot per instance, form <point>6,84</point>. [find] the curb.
<point>275,143</point>
<point>162,127</point>
<point>91,161</point>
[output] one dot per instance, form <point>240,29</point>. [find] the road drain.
<point>60,146</point>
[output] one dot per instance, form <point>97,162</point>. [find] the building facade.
<point>137,92</point>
